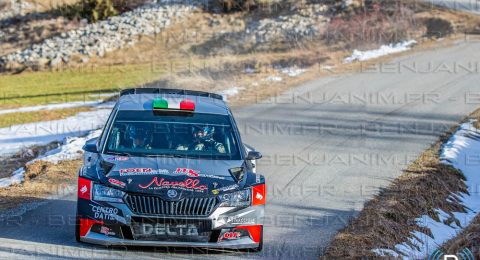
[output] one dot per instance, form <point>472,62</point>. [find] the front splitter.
<point>100,239</point>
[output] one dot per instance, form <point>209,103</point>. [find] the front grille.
<point>153,205</point>
<point>167,229</point>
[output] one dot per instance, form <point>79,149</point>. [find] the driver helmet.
<point>138,133</point>
<point>204,133</point>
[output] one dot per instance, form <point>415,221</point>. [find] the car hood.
<point>159,175</point>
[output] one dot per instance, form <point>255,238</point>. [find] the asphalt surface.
<point>472,6</point>
<point>329,145</point>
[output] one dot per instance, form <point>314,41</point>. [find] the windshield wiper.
<point>164,155</point>
<point>119,154</point>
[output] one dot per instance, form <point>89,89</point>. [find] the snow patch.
<point>385,252</point>
<point>292,71</point>
<point>274,78</point>
<point>231,92</point>
<point>459,152</point>
<point>16,178</point>
<point>71,149</point>
<point>382,51</point>
<point>14,138</point>
<point>250,70</point>
<point>104,95</point>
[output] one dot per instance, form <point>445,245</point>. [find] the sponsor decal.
<point>117,183</point>
<point>226,188</point>
<point>259,197</point>
<point>129,180</point>
<point>196,173</point>
<point>107,231</point>
<point>141,171</point>
<point>257,178</point>
<point>215,184</point>
<point>188,172</point>
<point>188,184</point>
<point>117,158</point>
<point>238,220</point>
<point>84,189</point>
<point>232,235</point>
<point>212,176</point>
<point>105,213</point>
<point>160,229</point>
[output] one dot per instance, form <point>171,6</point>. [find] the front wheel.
<point>77,226</point>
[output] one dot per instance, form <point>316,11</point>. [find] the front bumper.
<point>113,224</point>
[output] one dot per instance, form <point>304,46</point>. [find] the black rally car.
<point>170,169</point>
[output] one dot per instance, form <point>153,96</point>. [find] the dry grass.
<point>468,238</point>
<point>19,159</point>
<point>389,218</point>
<point>41,180</point>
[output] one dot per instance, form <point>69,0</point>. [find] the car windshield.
<point>167,134</point>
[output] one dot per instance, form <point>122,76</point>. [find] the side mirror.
<point>253,155</point>
<point>91,146</point>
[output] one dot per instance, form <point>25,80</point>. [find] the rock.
<point>42,62</point>
<point>55,62</point>
<point>104,36</point>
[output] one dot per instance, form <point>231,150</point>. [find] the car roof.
<point>204,102</point>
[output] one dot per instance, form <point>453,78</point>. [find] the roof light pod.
<point>187,104</point>
<point>184,105</point>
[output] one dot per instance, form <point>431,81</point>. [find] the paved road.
<point>472,6</point>
<point>327,151</point>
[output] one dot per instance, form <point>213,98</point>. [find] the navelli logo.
<point>84,189</point>
<point>190,184</point>
<point>189,172</point>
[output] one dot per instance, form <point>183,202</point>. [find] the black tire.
<point>77,229</point>
<point>77,226</point>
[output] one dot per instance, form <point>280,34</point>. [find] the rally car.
<point>170,169</point>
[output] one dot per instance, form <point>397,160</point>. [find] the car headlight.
<point>103,193</point>
<point>235,199</point>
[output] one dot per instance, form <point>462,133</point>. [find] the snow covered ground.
<point>17,177</point>
<point>72,131</point>
<point>71,149</point>
<point>461,151</point>
<point>15,138</point>
<point>52,106</point>
<point>382,51</point>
